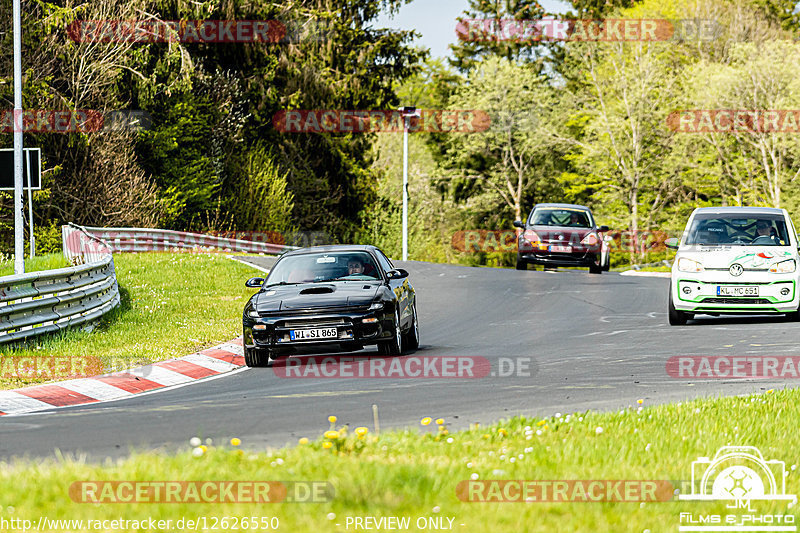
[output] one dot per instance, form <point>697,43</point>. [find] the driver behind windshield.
<point>763,233</point>
<point>355,267</point>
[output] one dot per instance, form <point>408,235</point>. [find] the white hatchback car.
<point>735,260</point>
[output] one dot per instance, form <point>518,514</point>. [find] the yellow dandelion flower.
<point>303,440</point>
<point>502,431</point>
<point>425,421</point>
<point>327,445</point>
<point>361,431</point>
<point>333,435</point>
<point>540,423</point>
<point>332,419</point>
<point>440,421</point>
<point>235,441</point>
<point>640,401</point>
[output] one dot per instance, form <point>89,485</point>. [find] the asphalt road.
<point>593,342</point>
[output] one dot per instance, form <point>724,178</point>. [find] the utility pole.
<point>408,113</point>
<point>19,238</point>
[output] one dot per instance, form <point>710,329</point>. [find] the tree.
<point>492,37</point>
<point>508,161</point>
<point>629,90</point>
<point>758,162</point>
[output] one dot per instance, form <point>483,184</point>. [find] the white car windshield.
<point>322,267</point>
<point>736,230</point>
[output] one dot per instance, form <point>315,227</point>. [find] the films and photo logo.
<point>739,476</point>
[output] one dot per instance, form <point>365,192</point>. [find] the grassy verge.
<point>660,268</point>
<point>40,262</point>
<point>172,305</point>
<point>415,475</point>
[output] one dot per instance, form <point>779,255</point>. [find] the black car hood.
<point>316,296</point>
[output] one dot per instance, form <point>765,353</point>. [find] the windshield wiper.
<point>284,283</point>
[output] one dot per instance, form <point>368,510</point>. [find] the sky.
<point>436,20</point>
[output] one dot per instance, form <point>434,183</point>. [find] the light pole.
<point>408,113</point>
<point>19,240</point>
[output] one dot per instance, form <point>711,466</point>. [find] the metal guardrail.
<point>53,300</point>
<point>161,240</point>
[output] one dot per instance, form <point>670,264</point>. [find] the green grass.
<point>660,268</point>
<point>40,262</point>
<point>415,474</point>
<point>172,305</point>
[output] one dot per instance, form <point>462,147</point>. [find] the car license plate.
<point>561,249</point>
<point>310,334</point>
<point>732,290</point>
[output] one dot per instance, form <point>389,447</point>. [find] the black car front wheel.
<point>256,358</point>
<point>395,345</point>
<point>522,265</point>
<point>411,337</point>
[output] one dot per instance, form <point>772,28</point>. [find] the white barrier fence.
<point>52,300</point>
<point>161,240</point>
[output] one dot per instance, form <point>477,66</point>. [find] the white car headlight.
<point>253,314</point>
<point>784,266</point>
<point>688,265</point>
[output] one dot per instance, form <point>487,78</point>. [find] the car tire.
<point>257,358</point>
<point>394,346</point>
<point>522,265</point>
<point>676,318</point>
<point>411,337</point>
<point>595,269</point>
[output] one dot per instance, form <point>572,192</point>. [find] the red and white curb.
<point>215,361</point>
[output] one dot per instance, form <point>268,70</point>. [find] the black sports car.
<point>343,297</point>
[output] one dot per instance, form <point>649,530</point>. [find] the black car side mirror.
<point>254,283</point>
<point>519,224</point>
<point>397,273</point>
<point>603,229</point>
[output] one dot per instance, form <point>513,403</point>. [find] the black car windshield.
<point>321,267</point>
<point>738,230</point>
<point>561,216</point>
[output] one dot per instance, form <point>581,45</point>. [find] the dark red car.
<point>562,235</point>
